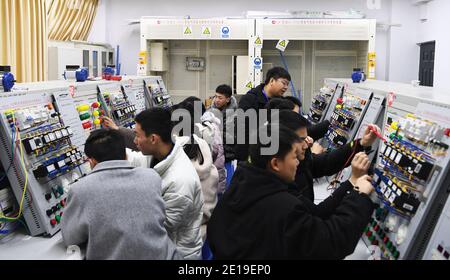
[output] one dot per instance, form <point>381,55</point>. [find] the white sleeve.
<point>137,159</point>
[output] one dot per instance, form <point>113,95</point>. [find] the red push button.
<point>53,222</point>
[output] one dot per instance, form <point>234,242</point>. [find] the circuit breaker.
<point>346,116</point>
<point>321,102</point>
<point>116,105</point>
<point>37,141</point>
<point>156,92</point>
<point>412,162</point>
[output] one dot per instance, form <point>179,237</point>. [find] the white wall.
<point>403,51</point>
<point>98,32</point>
<point>118,32</point>
<point>436,28</point>
<point>397,50</point>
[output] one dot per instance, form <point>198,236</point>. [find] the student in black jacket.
<point>258,219</point>
<point>326,164</point>
<point>315,131</point>
<point>275,85</point>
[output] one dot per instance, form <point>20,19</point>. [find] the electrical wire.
<point>26,177</point>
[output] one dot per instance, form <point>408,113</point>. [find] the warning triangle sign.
<point>283,43</point>
<point>206,31</point>
<point>258,41</point>
<point>187,30</point>
<point>248,85</point>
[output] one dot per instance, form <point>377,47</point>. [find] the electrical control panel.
<point>133,88</point>
<point>347,116</point>
<point>156,92</point>
<point>82,105</point>
<point>412,163</point>
<point>8,206</point>
<point>439,246</point>
<point>321,102</point>
<point>45,161</point>
<point>116,105</point>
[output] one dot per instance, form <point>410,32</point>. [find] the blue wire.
<point>294,92</point>
<point>11,230</point>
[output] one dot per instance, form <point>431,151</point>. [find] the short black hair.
<point>292,120</point>
<point>277,73</point>
<point>188,104</point>
<point>294,100</point>
<point>286,139</point>
<point>105,144</point>
<point>156,121</point>
<point>225,90</point>
<point>280,104</point>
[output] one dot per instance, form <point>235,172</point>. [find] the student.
<point>315,131</point>
<point>181,189</point>
<point>200,155</point>
<point>117,210</point>
<point>275,85</point>
<point>258,218</point>
<point>318,165</point>
<point>223,106</point>
<point>280,104</point>
<point>223,99</point>
<point>208,129</point>
<point>297,103</point>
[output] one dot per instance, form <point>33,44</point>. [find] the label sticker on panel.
<point>282,44</point>
<point>258,42</point>
<point>257,63</point>
<point>187,30</point>
<point>225,32</point>
<point>206,31</point>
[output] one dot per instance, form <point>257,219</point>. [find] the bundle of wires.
<point>15,131</point>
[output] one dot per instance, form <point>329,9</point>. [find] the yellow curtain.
<point>70,19</point>
<point>23,38</point>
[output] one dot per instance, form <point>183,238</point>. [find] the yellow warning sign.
<point>187,30</point>
<point>206,31</point>
<point>258,41</point>
<point>371,64</point>
<point>282,44</point>
<point>142,57</point>
<point>249,85</point>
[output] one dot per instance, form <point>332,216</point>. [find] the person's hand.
<point>360,165</point>
<point>317,148</point>
<point>369,137</point>
<point>309,141</point>
<point>108,122</point>
<point>363,184</point>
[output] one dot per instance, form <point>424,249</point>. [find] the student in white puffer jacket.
<point>181,188</point>
<point>199,151</point>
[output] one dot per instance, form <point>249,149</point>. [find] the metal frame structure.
<point>252,30</point>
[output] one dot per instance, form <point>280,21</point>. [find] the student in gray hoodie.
<point>117,210</point>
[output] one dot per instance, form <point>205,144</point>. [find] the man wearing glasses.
<point>275,85</point>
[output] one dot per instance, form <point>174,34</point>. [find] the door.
<point>426,66</point>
